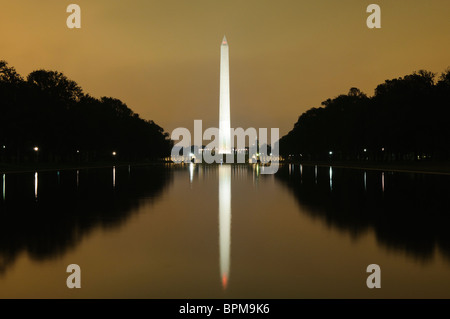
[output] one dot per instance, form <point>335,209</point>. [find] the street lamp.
<point>36,149</point>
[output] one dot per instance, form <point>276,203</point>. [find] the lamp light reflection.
<point>4,186</point>
<point>365,181</point>
<point>35,185</point>
<point>114,177</point>
<point>301,174</point>
<point>315,173</point>
<point>191,172</point>
<point>331,178</point>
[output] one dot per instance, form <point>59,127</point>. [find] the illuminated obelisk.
<point>224,106</point>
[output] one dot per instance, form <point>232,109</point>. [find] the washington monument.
<point>224,106</point>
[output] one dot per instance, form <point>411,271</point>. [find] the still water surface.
<point>197,231</point>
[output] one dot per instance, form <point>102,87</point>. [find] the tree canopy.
<point>52,112</point>
<point>408,118</point>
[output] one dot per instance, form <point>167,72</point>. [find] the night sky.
<point>162,57</point>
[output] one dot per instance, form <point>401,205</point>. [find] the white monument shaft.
<point>224,106</point>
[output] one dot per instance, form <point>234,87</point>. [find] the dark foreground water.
<point>225,231</point>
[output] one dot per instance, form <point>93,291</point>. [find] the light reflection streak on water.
<point>255,169</point>
<point>365,181</point>
<point>331,178</point>
<point>35,185</point>
<point>114,177</point>
<point>315,173</point>
<point>191,172</point>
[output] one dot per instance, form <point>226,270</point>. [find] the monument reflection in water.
<point>225,222</point>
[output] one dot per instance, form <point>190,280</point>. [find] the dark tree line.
<point>408,118</point>
<point>49,111</point>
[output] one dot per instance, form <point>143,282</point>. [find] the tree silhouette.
<point>9,74</point>
<point>52,112</point>
<point>406,119</point>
